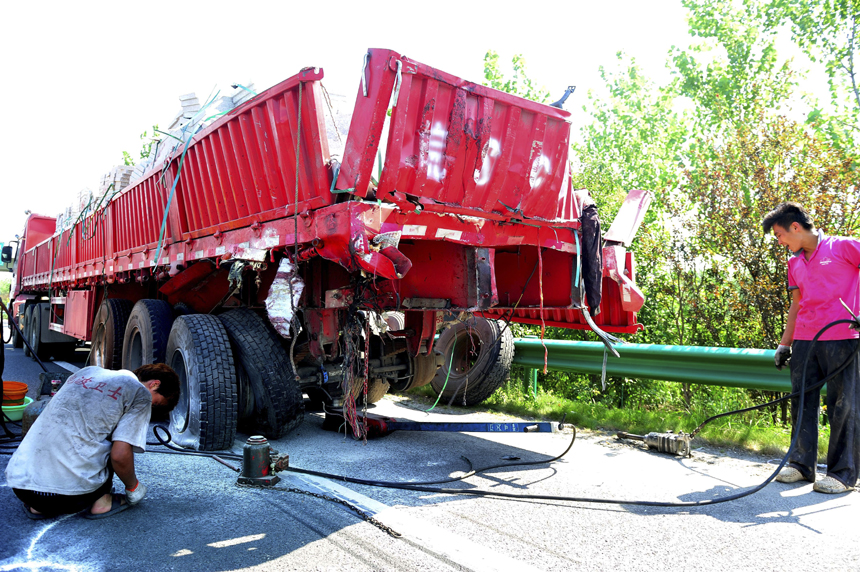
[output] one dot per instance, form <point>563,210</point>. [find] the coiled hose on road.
<point>423,487</point>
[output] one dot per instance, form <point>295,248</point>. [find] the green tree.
<point>732,73</point>
<point>828,31</point>
<point>520,83</point>
<point>146,146</point>
<point>635,139</point>
<point>730,191</point>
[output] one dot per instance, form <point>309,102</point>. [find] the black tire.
<point>199,351</point>
<point>481,362</point>
<point>38,349</point>
<point>146,333</point>
<point>25,328</point>
<point>376,390</point>
<point>16,341</point>
<point>424,368</point>
<point>182,309</point>
<point>264,371</point>
<point>108,333</point>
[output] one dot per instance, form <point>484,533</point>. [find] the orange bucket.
<point>14,393</point>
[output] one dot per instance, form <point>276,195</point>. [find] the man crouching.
<point>90,430</point>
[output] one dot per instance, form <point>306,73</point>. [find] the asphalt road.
<point>196,518</point>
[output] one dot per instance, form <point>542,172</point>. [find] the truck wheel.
<point>480,358</point>
<point>146,334</point>
<point>264,367</point>
<point>17,341</point>
<point>25,329</point>
<point>182,309</point>
<point>425,368</point>
<point>39,349</point>
<point>199,351</point>
<point>108,332</point>
<point>376,390</point>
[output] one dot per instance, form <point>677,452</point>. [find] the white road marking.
<point>67,366</point>
<point>457,549</point>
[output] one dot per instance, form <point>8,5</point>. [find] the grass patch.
<point>728,432</point>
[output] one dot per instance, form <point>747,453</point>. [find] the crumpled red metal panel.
<point>458,147</point>
<point>243,166</point>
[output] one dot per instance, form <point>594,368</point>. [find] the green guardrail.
<point>730,367</point>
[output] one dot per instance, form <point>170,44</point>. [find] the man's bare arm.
<point>122,459</point>
<point>791,320</point>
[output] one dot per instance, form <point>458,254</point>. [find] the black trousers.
<point>51,504</point>
<point>843,408</point>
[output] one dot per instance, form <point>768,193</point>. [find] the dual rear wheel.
<point>233,372</point>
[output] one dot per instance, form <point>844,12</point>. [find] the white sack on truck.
<point>278,303</point>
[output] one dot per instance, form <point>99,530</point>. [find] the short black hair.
<point>786,214</point>
<point>168,388</point>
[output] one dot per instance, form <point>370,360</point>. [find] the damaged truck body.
<point>265,271</point>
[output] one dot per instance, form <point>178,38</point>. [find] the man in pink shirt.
<point>823,273</point>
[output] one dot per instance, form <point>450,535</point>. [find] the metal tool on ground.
<point>669,442</point>
<point>258,468</point>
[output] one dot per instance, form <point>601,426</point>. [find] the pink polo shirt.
<point>831,273</point>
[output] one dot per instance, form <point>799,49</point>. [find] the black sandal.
<point>115,507</point>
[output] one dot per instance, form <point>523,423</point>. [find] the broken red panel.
<point>458,147</point>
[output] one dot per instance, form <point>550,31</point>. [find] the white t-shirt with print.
<point>66,451</point>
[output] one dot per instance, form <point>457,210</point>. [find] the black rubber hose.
<point>21,334</point>
<point>391,484</point>
<point>4,419</point>
<point>396,485</point>
<point>5,341</point>
<point>707,502</point>
<point>182,451</point>
<point>785,397</point>
<point>420,487</point>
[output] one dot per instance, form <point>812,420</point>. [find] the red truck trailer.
<point>264,270</point>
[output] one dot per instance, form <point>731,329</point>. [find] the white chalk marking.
<point>31,564</point>
<point>38,565</point>
<point>463,551</point>
<point>235,541</point>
